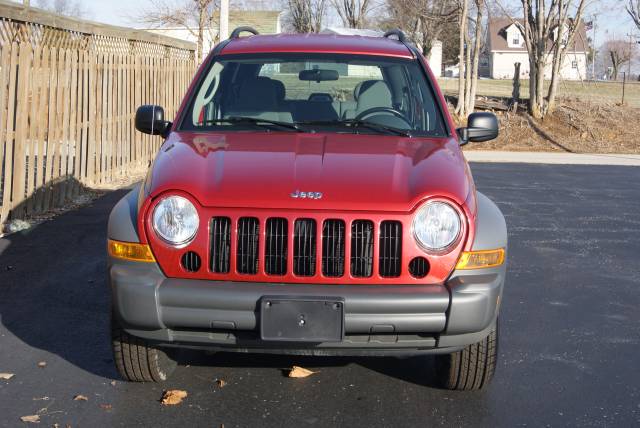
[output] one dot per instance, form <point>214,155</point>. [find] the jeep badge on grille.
<point>306,195</point>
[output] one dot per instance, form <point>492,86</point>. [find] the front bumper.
<point>378,319</point>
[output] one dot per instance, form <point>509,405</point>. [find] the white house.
<point>505,47</point>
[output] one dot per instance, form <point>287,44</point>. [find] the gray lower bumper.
<point>226,314</point>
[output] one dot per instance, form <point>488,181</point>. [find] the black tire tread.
<point>471,368</point>
<point>136,360</point>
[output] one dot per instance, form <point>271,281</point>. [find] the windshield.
<point>309,93</point>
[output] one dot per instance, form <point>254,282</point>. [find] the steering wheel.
<point>372,110</point>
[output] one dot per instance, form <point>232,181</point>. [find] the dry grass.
<point>576,127</point>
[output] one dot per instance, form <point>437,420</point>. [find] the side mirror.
<point>481,126</point>
<point>150,120</point>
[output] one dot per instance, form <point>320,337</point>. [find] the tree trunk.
<point>536,87</point>
<point>515,94</point>
<point>461,58</point>
<point>471,98</point>
<point>202,19</point>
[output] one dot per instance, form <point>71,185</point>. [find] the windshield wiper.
<point>359,123</point>
<point>254,121</point>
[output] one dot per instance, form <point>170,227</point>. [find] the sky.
<point>613,21</point>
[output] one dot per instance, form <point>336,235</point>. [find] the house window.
<point>516,41</point>
<point>574,64</point>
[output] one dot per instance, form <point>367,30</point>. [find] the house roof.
<point>498,36</point>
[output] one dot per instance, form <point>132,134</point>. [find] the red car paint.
<point>374,177</point>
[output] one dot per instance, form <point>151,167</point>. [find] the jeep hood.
<point>353,172</point>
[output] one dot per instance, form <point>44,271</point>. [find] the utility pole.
<point>630,53</point>
<point>595,52</point>
<point>223,26</point>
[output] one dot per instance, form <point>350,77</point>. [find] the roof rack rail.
<point>398,33</point>
<point>236,33</point>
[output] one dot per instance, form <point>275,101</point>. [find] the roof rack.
<point>236,33</point>
<point>398,33</point>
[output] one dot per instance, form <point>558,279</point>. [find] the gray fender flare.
<point>123,220</point>
<point>491,227</point>
<point>476,293</point>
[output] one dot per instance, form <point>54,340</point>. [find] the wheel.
<point>136,360</point>
<point>471,368</point>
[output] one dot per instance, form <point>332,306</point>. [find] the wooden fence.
<point>68,94</point>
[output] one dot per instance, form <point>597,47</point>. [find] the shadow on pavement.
<point>53,291</point>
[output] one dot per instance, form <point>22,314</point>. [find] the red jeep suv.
<point>310,197</point>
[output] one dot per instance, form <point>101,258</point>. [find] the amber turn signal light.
<point>130,251</point>
<point>481,259</point>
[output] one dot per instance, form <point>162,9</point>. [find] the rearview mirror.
<point>150,120</point>
<point>317,75</point>
<point>482,126</point>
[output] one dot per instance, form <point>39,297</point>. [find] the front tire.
<point>471,368</point>
<point>136,360</point>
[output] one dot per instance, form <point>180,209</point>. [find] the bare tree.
<point>462,41</point>
<point>470,45</point>
<point>619,52</point>
<point>549,28</point>
<point>424,21</point>
<point>634,12</point>
<point>475,59</point>
<point>353,13</point>
<point>196,16</point>
<point>306,16</point>
<point>71,8</point>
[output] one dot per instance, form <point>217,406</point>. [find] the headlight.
<point>436,226</point>
<point>175,220</point>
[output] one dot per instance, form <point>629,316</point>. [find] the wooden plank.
<point>92,120</point>
<point>109,120</point>
<point>85,118</point>
<point>51,129</point>
<point>20,147</point>
<point>9,56</point>
<point>103,119</point>
<point>65,128</point>
<point>73,126</point>
<point>32,138</point>
<point>58,129</point>
<point>43,77</point>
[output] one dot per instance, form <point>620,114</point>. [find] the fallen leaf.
<point>106,406</point>
<point>42,364</point>
<point>221,383</point>
<point>31,418</point>
<point>297,371</point>
<point>6,376</point>
<point>80,397</point>
<point>173,397</point>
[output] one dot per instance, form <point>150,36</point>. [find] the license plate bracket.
<point>301,319</point>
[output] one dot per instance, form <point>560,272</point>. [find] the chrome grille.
<point>220,244</point>
<point>389,259</point>
<point>275,257</point>
<point>304,247</point>
<point>362,248</point>
<point>247,252</point>
<point>333,248</point>
<point>337,254</point>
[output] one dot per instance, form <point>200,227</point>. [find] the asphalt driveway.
<point>570,325</point>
